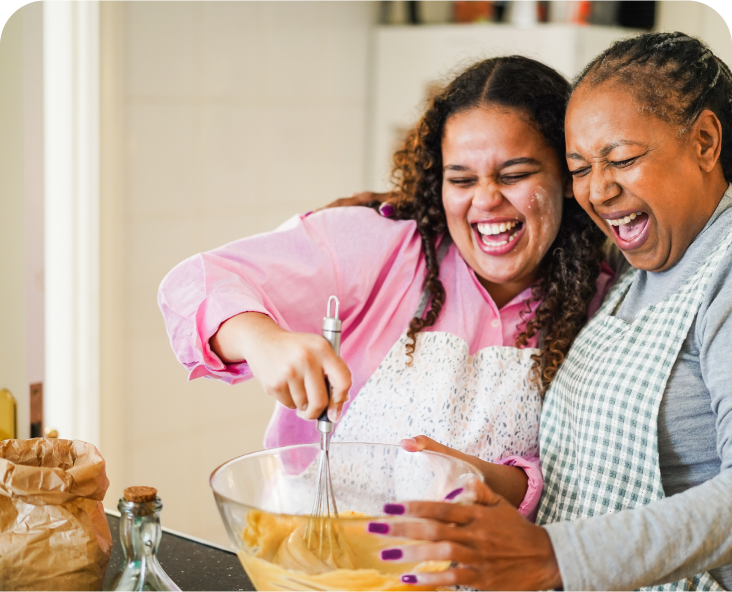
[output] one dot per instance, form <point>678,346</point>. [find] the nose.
<point>487,196</point>
<point>603,186</point>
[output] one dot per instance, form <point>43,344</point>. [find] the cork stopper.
<point>140,494</point>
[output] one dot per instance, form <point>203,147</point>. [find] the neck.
<point>502,294</point>
<point>718,187</point>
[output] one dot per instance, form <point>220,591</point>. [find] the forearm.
<point>674,538</point>
<point>240,334</point>
<point>507,481</point>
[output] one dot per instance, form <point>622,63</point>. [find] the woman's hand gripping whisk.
<point>323,534</point>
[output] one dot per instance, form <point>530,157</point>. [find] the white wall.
<point>219,120</point>
<point>700,20</point>
<point>71,211</point>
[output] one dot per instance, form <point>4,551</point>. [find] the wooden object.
<point>140,494</point>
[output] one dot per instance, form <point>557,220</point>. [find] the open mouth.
<point>631,230</point>
<point>498,238</point>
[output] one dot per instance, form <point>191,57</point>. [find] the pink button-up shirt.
<point>374,266</point>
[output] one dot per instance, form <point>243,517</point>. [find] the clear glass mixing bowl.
<point>266,498</point>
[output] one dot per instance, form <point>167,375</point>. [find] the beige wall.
<point>12,216</point>
<point>219,120</point>
<point>21,208</point>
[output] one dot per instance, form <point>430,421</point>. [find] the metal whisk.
<point>322,534</point>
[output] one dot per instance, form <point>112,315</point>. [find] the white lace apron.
<point>482,404</point>
<point>599,440</point>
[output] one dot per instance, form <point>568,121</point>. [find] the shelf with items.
<point>627,13</point>
<point>409,62</point>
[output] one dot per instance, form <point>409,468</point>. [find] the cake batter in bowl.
<point>265,500</point>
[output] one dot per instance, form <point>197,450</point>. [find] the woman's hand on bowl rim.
<point>505,480</point>
<point>494,547</point>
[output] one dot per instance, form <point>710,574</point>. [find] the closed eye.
<point>515,178</point>
<point>460,182</point>
<point>580,172</point>
<point>621,164</point>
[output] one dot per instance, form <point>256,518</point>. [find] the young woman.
<point>442,303</point>
<point>636,430</point>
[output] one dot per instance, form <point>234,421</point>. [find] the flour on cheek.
<point>548,213</point>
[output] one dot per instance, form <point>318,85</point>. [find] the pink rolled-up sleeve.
<point>193,314</point>
<point>532,467</point>
<point>213,311</point>
<point>255,274</point>
<point>287,274</point>
<point>604,282</point>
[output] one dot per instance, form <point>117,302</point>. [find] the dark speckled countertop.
<point>190,563</point>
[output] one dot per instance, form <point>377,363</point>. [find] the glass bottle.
<point>140,531</point>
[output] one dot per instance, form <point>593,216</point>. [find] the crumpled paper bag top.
<point>51,472</point>
<point>53,531</point>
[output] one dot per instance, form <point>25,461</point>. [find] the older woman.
<point>636,431</point>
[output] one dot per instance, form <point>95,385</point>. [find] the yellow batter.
<point>279,557</point>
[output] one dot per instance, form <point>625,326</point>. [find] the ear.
<point>568,187</point>
<point>707,139</point>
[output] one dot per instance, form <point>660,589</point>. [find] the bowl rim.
<point>471,468</point>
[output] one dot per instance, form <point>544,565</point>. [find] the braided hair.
<point>566,277</point>
<point>673,76</point>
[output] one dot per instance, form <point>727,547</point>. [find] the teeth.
<point>489,229</point>
<point>495,244</point>
<point>626,220</point>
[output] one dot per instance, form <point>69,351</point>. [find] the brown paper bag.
<point>53,531</point>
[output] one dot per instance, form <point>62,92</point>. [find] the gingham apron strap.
<point>617,291</point>
<point>560,410</point>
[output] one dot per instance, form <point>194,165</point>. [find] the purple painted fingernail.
<point>307,214</point>
<point>454,493</point>
<point>386,209</point>
<point>394,509</point>
<point>409,579</point>
<point>391,554</point>
<point>378,528</point>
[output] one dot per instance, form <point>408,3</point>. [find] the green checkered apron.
<point>598,436</point>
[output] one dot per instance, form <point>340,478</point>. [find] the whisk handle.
<point>332,332</point>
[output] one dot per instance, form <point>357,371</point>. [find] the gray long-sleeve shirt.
<point>691,529</point>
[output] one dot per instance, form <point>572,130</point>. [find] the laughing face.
<point>502,191</point>
<point>650,188</point>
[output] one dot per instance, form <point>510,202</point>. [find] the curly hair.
<point>566,277</point>
<point>674,77</point>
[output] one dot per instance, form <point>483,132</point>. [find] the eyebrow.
<point>504,165</point>
<point>605,150</point>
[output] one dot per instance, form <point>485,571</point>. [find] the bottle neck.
<point>140,529</point>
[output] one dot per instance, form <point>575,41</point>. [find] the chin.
<point>494,278</point>
<point>650,262</point>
